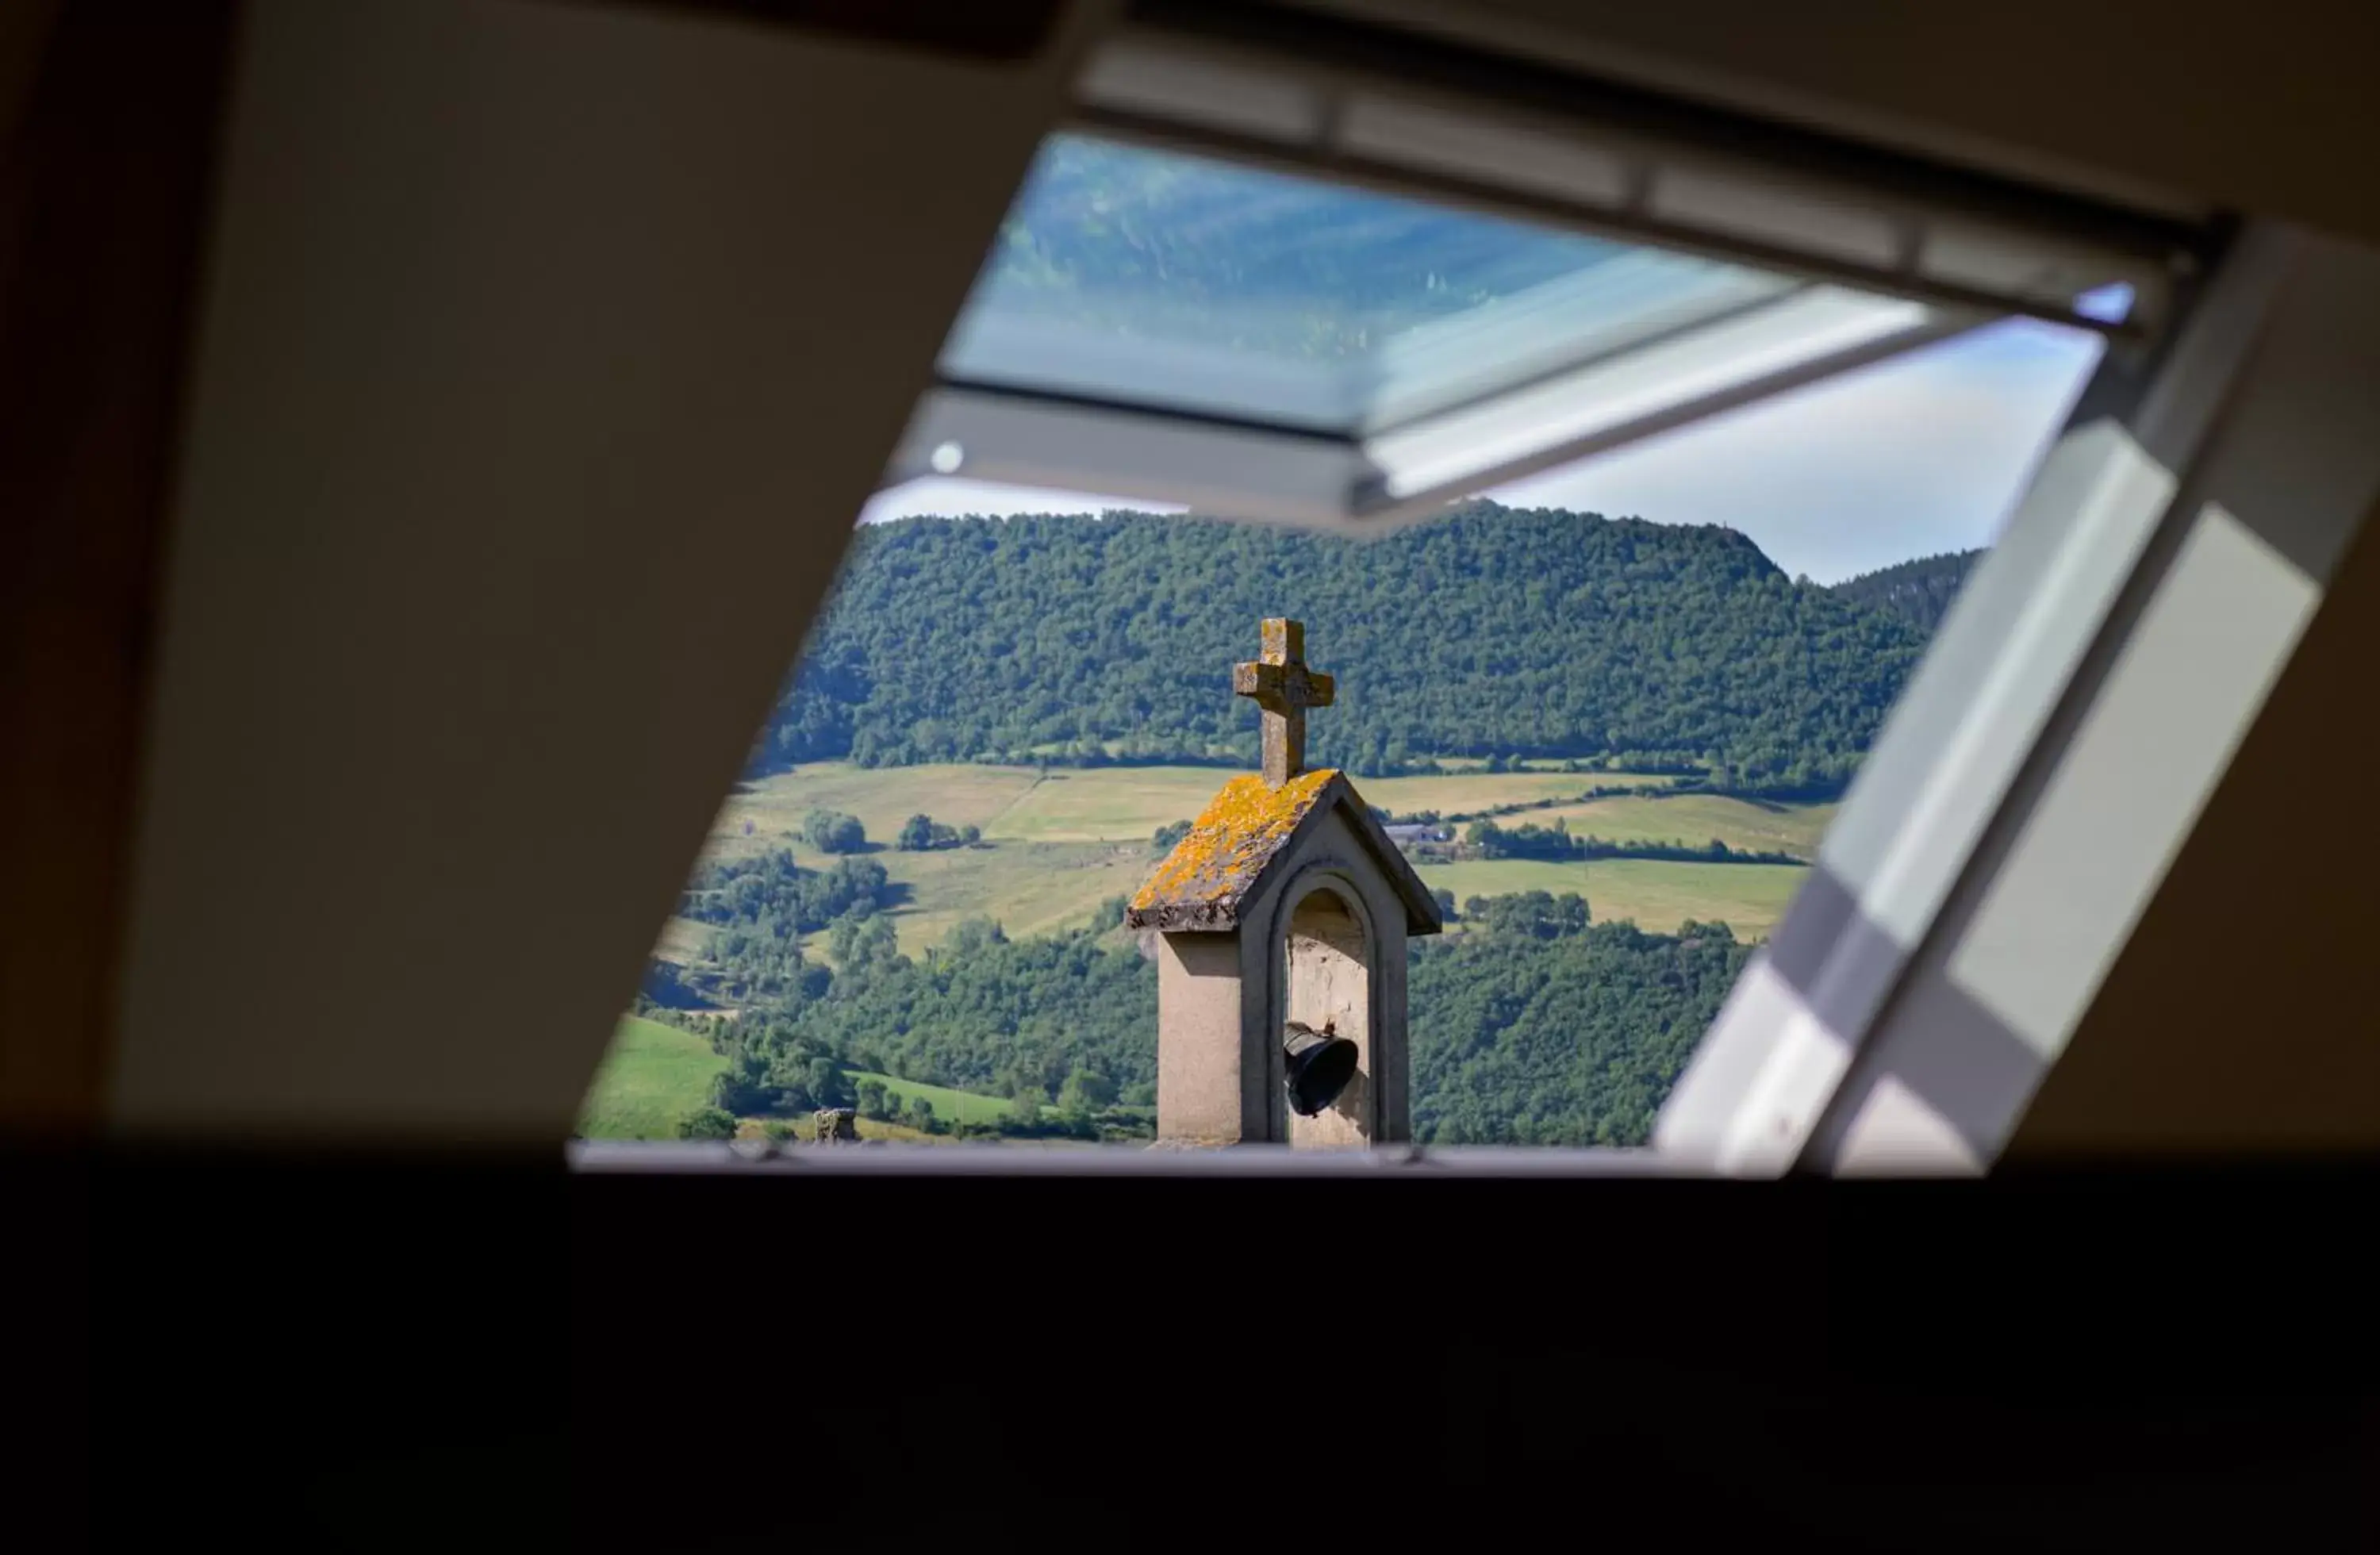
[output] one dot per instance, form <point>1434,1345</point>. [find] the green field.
<point>1103,804</point>
<point>881,798</point>
<point>653,1075</point>
<point>962,1106</point>
<point>1754,825</point>
<point>1116,804</point>
<point>1063,840</point>
<point>1748,898</point>
<point>681,939</point>
<point>1028,887</point>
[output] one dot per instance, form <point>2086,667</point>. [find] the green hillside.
<point>1532,1026</point>
<point>1654,895</point>
<point>962,1106</point>
<point>1531,1030</point>
<point>653,1075</point>
<point>1919,591</point>
<point>1492,631</point>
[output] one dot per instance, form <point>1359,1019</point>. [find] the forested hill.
<point>1492,631</point>
<point>1918,591</point>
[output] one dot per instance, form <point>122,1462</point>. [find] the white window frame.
<point>2043,766</point>
<point>1886,256</point>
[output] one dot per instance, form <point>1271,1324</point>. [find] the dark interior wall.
<point>548,352</point>
<point>2264,108</point>
<point>107,120</point>
<point>2242,1016</point>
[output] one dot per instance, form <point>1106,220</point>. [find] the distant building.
<point>1419,831</point>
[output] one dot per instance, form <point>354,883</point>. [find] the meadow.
<point>960,1106</point>
<point>653,1075</point>
<point>1060,841</point>
<point>1656,894</point>
<point>1757,825</point>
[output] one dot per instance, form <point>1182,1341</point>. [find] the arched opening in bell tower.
<point>1327,987</point>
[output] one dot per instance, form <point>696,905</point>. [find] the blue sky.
<point>1924,454</point>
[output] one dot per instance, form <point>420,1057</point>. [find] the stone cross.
<point>1280,683</point>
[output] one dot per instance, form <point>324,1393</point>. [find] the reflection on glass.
<point>1154,278</point>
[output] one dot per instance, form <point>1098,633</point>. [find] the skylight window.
<point>1591,738</point>
<point>1266,345</point>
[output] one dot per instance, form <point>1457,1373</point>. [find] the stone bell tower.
<point>1280,992</point>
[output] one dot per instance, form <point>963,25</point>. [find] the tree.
<point>743,1086</point>
<point>916,835</point>
<point>1531,1029</point>
<point>1087,1090</point>
<point>969,935</point>
<point>970,836</point>
<point>1919,591</point>
<point>921,1113</point>
<point>1445,900</point>
<point>1534,1026</point>
<point>871,1100</point>
<point>827,1085</point>
<point>833,832</point>
<point>859,942</point>
<point>765,901</point>
<point>707,1123</point>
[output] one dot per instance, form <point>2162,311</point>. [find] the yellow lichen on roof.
<point>1240,829</point>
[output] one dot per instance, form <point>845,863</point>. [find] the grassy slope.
<point>681,939</point>
<point>1748,898</point>
<point>1755,825</point>
<point>1030,888</point>
<point>882,798</point>
<point>1106,803</point>
<point>653,1075</point>
<point>965,1106</point>
<point>1063,841</point>
<point>1128,803</point>
<point>1061,844</point>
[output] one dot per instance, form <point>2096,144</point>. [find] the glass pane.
<point>1152,278</point>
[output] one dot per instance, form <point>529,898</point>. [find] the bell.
<point>1319,1067</point>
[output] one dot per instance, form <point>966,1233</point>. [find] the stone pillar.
<point>1205,1094</point>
